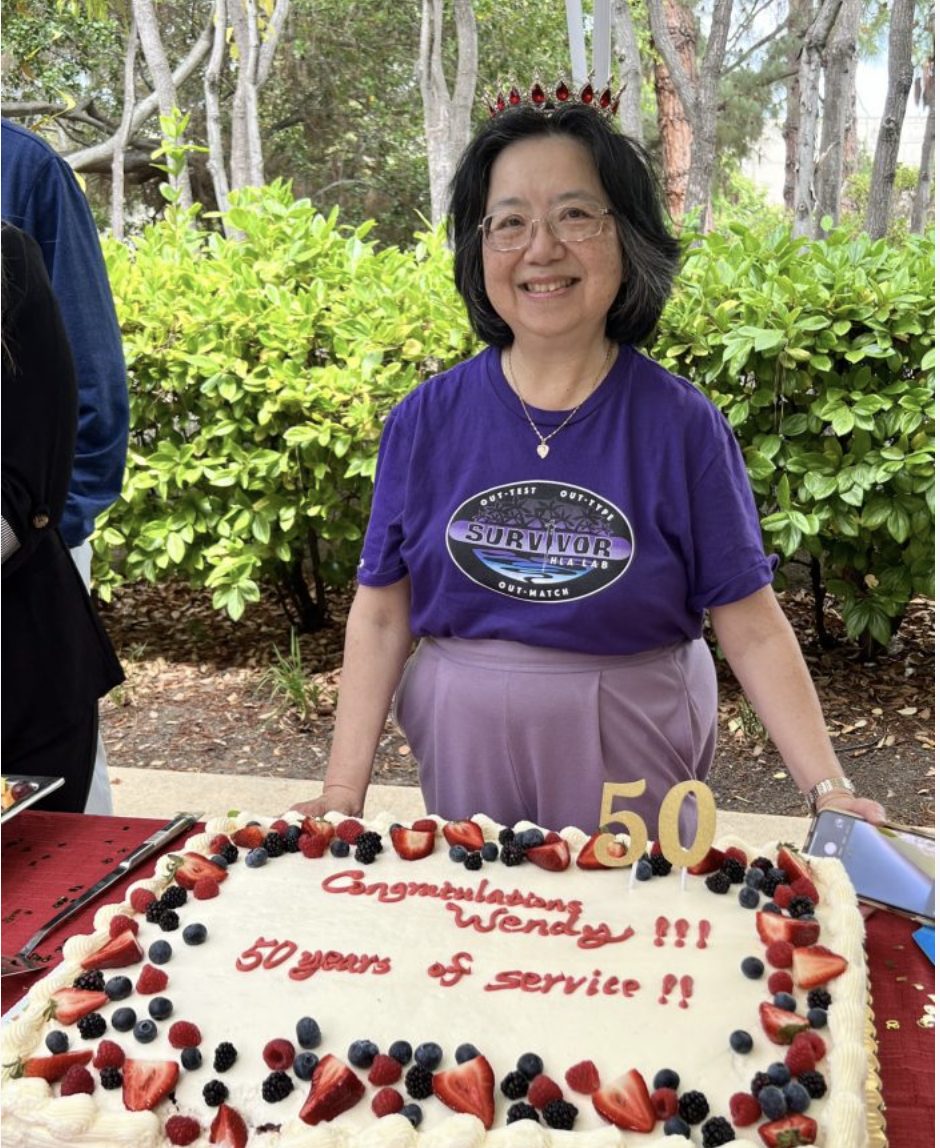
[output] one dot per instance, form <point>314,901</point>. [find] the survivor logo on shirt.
<point>540,541</point>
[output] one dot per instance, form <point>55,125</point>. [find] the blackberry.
<point>521,1111</point>
<point>818,998</point>
<point>273,845</point>
<point>506,836</point>
<point>734,871</point>
<point>763,863</point>
<point>370,838</point>
<point>111,1078</point>
<point>717,1131</point>
<point>366,851</point>
<point>418,1082</point>
<point>215,1093</point>
<point>801,907</point>
<point>175,897</point>
<point>759,1081</point>
<point>225,1056</point>
<point>93,981</point>
<point>661,866</point>
<point>169,920</point>
<point>473,861</point>
<point>229,852</point>
<point>772,879</point>
<point>814,1083</point>
<point>560,1114</point>
<point>718,882</point>
<point>292,842</point>
<point>92,1026</point>
<point>512,854</point>
<point>276,1087</point>
<point>154,912</point>
<point>693,1107</point>
<point>514,1085</point>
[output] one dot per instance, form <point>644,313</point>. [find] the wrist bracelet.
<point>827,785</point>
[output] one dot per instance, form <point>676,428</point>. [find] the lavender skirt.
<point>523,732</point>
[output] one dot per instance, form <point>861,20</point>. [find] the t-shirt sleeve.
<point>729,561</point>
<point>381,562</point>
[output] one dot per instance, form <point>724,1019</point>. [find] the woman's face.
<point>549,289</point>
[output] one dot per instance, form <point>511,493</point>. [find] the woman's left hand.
<point>863,807</point>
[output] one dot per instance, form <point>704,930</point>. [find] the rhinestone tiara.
<point>544,98</point>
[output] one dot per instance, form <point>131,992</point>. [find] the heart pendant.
<point>542,449</point>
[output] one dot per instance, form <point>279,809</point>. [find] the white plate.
<point>40,786</point>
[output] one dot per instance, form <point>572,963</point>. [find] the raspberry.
<point>780,982</point>
<point>184,1034</point>
<point>311,846</point>
<point>140,899</point>
<point>77,1079</point>
<point>151,980</point>
<point>121,923</point>
<point>349,830</point>
<point>665,1102</point>
<point>780,954</point>
<point>182,1130</point>
<point>386,1101</point>
<point>205,889</point>
<point>278,1054</point>
<point>783,895</point>
<point>815,1042</point>
<point>583,1077</point>
<point>543,1091</point>
<point>385,1070</point>
<point>744,1109</point>
<point>111,1055</point>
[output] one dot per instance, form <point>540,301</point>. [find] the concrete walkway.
<point>164,792</point>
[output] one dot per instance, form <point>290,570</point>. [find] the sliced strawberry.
<point>228,1128</point>
<point>318,828</point>
<point>118,953</point>
<point>69,1005</point>
<point>583,1077</point>
<point>312,847</point>
<point>553,855</point>
<point>51,1068</point>
<point>803,887</point>
<point>121,923</point>
<point>191,867</point>
<point>736,854</point>
<point>334,1088</point>
<point>468,1087</point>
<point>816,965</point>
<point>248,837</point>
<point>710,863</point>
<point>780,1024</point>
<point>219,842</point>
<point>626,1103</point>
<point>588,859</point>
<point>798,931</point>
<point>783,895</point>
<point>147,1082</point>
<point>793,864</point>
<point>789,1132</point>
<point>466,833</point>
<point>425,824</point>
<point>412,844</point>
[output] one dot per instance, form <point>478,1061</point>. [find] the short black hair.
<point>649,250</point>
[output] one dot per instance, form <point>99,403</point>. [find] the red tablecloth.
<point>48,858</point>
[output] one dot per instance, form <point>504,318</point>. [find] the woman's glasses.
<point>569,223</point>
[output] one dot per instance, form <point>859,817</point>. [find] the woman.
<point>57,659</point>
<point>554,516</point>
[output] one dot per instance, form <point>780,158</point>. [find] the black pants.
<point>70,754</point>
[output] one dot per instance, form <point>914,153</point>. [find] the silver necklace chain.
<point>543,448</point>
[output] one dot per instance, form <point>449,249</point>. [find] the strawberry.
<point>465,833</point>
<point>814,1041</point>
<point>553,855</point>
<point>184,1034</point>
<point>793,864</point>
<point>800,1057</point>
<point>249,837</point>
<point>318,827</point>
<point>349,830</point>
<point>543,1090</point>
<point>147,1082</point>
<point>335,1088</point>
<point>278,1055</point>
<point>805,888</point>
<point>588,859</point>
<point>109,1055</point>
<point>468,1087</point>
<point>789,1132</point>
<point>51,1068</point>
<point>386,1101</point>
<point>182,1130</point>
<point>425,825</point>
<point>583,1077</point>
<point>665,1102</point>
<point>412,844</point>
<point>69,1005</point>
<point>219,842</point>
<point>779,1024</point>
<point>151,980</point>
<point>189,868</point>
<point>205,889</point>
<point>77,1079</point>
<point>385,1070</point>
<point>121,923</point>
<point>816,965</point>
<point>140,899</point>
<point>122,950</point>
<point>710,863</point>
<point>780,954</point>
<point>626,1103</point>
<point>774,927</point>
<point>780,982</point>
<point>311,847</point>
<point>228,1128</point>
<point>745,1109</point>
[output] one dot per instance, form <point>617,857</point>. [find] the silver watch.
<point>827,785</point>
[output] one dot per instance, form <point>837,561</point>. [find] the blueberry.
<point>429,1055</point>
<point>308,1032</point>
<point>754,878</point>
<point>305,1064</point>
<point>362,1053</point>
<point>772,1102</point>
<point>458,853</point>
<point>676,1126</point>
<point>797,1097</point>
<point>145,1031</point>
<point>413,1114</point>
<point>771,907</point>
<point>160,1008</point>
<point>160,952</point>
<point>401,1051</point>
<point>781,876</point>
<point>643,869</point>
<point>530,1065</point>
<point>778,1074</point>
<point>530,838</point>
<point>117,988</point>
<point>466,1052</point>
<point>666,1078</point>
<point>339,847</point>
<point>753,968</point>
<point>57,1042</point>
<point>195,934</point>
<point>191,1059</point>
<point>818,1017</point>
<point>257,857</point>
<point>741,1041</point>
<point>293,833</point>
<point>123,1019</point>
<point>748,898</point>
<point>490,851</point>
<point>785,1001</point>
<point>218,859</point>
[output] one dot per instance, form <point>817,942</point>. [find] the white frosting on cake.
<point>580,1002</point>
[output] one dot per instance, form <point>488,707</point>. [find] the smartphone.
<point>891,867</point>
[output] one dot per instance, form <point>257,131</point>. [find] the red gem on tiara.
<point>586,95</point>
<point>515,96</point>
<point>537,95</point>
<point>500,102</point>
<point>604,99</point>
<point>561,92</point>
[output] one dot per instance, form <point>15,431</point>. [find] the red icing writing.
<point>669,983</point>
<point>502,921</point>
<point>704,931</point>
<point>450,974</point>
<point>682,931</point>
<point>530,982</point>
<point>685,987</point>
<point>270,954</point>
<point>662,928</point>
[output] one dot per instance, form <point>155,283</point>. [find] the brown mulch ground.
<point>200,696</point>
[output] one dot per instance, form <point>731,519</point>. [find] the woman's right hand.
<point>334,798</point>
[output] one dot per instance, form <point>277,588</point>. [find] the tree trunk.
<point>810,67</point>
<point>123,133</point>
<point>211,80</point>
<point>673,28</point>
<point>799,15</point>
<point>631,71</point>
<point>839,70</point>
<point>900,78</point>
<point>925,178</point>
<point>705,123</point>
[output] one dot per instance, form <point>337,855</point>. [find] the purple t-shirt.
<point>640,517</point>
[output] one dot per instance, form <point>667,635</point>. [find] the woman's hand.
<point>863,807</point>
<point>334,798</point>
